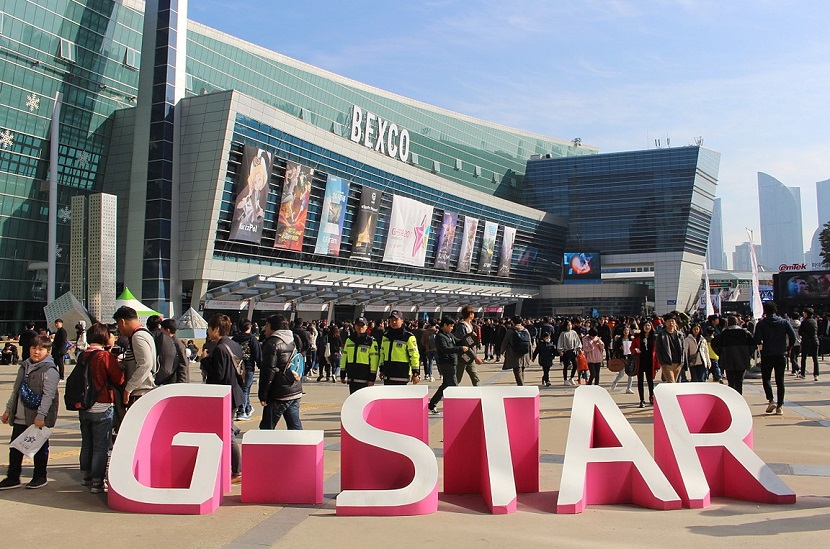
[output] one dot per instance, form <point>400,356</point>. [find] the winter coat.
<point>735,347</point>
<point>275,381</point>
<point>43,378</point>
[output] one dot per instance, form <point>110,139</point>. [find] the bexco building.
<point>251,182</point>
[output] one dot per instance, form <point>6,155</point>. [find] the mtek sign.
<point>792,267</point>
<point>379,134</point>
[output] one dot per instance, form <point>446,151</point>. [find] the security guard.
<point>399,358</point>
<point>361,358</point>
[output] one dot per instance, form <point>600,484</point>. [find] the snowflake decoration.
<point>148,249</point>
<point>65,214</point>
<point>6,139</point>
<point>58,252</point>
<point>33,102</point>
<point>83,159</point>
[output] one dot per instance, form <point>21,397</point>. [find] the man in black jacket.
<point>59,346</point>
<point>280,390</point>
<point>447,351</point>
<point>26,337</point>
<point>775,336</point>
<point>735,348</point>
<point>809,341</point>
<point>252,355</point>
<point>168,360</point>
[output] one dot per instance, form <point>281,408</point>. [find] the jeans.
<point>698,372</point>
<point>715,368</point>
<point>334,366</point>
<point>16,458</point>
<point>429,360</point>
<point>809,351</point>
<point>776,363</point>
<point>246,408</point>
<point>568,359</point>
<point>288,409</point>
<point>96,437</point>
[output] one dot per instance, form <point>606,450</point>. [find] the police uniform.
<point>361,361</point>
<point>399,357</point>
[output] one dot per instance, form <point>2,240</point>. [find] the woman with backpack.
<point>96,422</point>
<point>516,350</point>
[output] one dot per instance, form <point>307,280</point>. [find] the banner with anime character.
<point>409,228</point>
<point>334,213</point>
<point>465,256</point>
<point>488,247</point>
<point>251,195</point>
<point>506,254</point>
<point>296,192</point>
<point>363,229</point>
<point>446,238</point>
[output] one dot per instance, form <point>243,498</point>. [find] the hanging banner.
<point>446,238</point>
<point>251,195</point>
<point>409,228</point>
<point>363,229</point>
<point>506,254</point>
<point>331,220</point>
<point>293,207</point>
<point>488,247</point>
<point>465,256</point>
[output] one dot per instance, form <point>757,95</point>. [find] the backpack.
<point>80,392</point>
<point>155,368</point>
<point>296,366</point>
<point>521,342</point>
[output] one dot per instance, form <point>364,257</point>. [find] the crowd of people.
<point>126,360</point>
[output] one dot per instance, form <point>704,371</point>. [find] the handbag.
<point>238,364</point>
<point>616,365</point>
<point>632,365</point>
<point>28,396</point>
<point>581,362</point>
<point>31,440</point>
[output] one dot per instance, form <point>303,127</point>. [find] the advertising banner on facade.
<point>363,229</point>
<point>446,238</point>
<point>506,253</point>
<point>409,228</point>
<point>296,192</point>
<point>251,195</point>
<point>331,219</point>
<point>488,247</point>
<point>465,256</point>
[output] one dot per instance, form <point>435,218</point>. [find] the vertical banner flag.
<point>445,240</point>
<point>331,219</point>
<point>488,247</point>
<point>363,229</point>
<point>755,300</point>
<point>709,306</point>
<point>506,254</point>
<point>251,195</point>
<point>465,256</point>
<point>409,227</point>
<point>293,207</point>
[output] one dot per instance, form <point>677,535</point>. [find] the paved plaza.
<point>796,446</point>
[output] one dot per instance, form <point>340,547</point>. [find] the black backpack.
<point>521,342</point>
<point>80,392</point>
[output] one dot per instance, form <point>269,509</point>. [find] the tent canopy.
<point>192,320</point>
<point>127,298</point>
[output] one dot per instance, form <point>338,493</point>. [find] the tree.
<point>824,239</point>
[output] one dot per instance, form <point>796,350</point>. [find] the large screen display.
<point>805,284</point>
<point>581,267</point>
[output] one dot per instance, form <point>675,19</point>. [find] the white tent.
<point>191,325</point>
<point>127,298</point>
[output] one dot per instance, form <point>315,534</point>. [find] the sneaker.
<point>434,412</point>
<point>566,383</point>
<point>36,483</point>
<point>547,384</point>
<point>571,382</point>
<point>815,378</point>
<point>779,411</point>
<point>97,487</point>
<point>770,407</point>
<point>642,404</point>
<point>9,483</point>
<point>614,386</point>
<point>236,479</point>
<point>799,376</point>
<point>243,417</point>
<point>629,391</point>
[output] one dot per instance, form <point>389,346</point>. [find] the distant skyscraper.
<point>717,257</point>
<point>781,229</point>
<point>740,258</point>
<point>823,204</point>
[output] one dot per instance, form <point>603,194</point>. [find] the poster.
<point>446,238</point>
<point>465,256</point>
<point>363,229</point>
<point>409,228</point>
<point>332,216</point>
<point>506,253</point>
<point>251,195</point>
<point>296,192</point>
<point>488,247</point>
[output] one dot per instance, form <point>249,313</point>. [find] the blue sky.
<point>751,77</point>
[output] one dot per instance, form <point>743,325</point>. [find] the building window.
<point>476,171</point>
<point>458,164</point>
<point>413,158</point>
<point>67,50</point>
<point>131,58</point>
<point>436,166</point>
<point>2,22</point>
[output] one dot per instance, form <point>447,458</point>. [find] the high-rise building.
<point>741,260</point>
<point>716,254</point>
<point>781,227</point>
<point>814,258</point>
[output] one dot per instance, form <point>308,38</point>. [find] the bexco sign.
<point>794,267</point>
<point>379,134</point>
<point>168,460</point>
